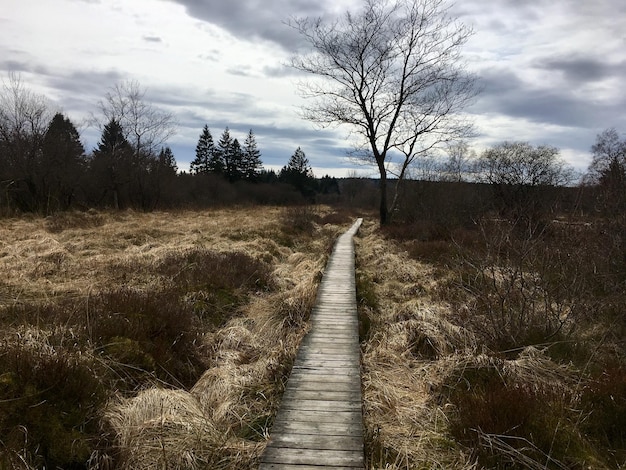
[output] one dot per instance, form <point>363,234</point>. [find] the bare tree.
<point>608,170</point>
<point>24,119</point>
<point>394,73</point>
<point>458,164</point>
<point>145,126</point>
<point>521,164</point>
<point>608,150</point>
<point>521,176</point>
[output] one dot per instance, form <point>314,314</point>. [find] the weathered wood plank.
<point>345,458</point>
<point>328,429</point>
<point>324,406</point>
<point>317,385</point>
<point>329,358</point>
<point>282,466</point>
<point>327,347</point>
<point>316,441</point>
<point>315,415</point>
<point>327,369</point>
<point>328,395</point>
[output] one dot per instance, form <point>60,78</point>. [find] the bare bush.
<point>518,289</point>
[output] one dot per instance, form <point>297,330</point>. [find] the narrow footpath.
<point>320,424</point>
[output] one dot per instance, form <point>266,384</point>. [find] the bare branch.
<point>146,127</point>
<point>393,73</point>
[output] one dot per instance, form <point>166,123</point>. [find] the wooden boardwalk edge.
<point>320,421</point>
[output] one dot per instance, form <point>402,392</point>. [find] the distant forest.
<point>44,168</point>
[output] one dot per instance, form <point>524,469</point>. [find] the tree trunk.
<point>383,198</point>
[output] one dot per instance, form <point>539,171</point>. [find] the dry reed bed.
<point>222,421</point>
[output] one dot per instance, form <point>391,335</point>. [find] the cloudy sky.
<point>551,71</point>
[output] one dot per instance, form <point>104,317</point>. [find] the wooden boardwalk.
<point>319,424</point>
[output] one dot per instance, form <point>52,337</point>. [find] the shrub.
<point>198,269</point>
<point>518,288</point>
<point>515,421</point>
<point>145,335</point>
<point>61,221</point>
<point>604,410</point>
<point>49,401</point>
<point>297,220</point>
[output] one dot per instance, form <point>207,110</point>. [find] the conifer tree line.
<point>44,166</point>
<point>228,157</point>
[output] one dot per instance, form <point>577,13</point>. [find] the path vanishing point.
<point>320,423</point>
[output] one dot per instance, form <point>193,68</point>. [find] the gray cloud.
<point>86,82</point>
<point>505,93</point>
<point>280,71</point>
<point>583,69</point>
<point>540,73</point>
<point>152,39</point>
<point>255,19</point>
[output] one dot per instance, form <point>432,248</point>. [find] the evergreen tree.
<point>62,163</point>
<point>328,185</point>
<point>112,163</point>
<point>167,162</point>
<point>205,151</point>
<point>162,180</point>
<point>298,164</point>
<point>235,171</point>
<point>267,176</point>
<point>251,164</point>
<point>298,173</point>
<point>225,151</point>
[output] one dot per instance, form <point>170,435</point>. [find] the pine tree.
<point>251,165</point>
<point>225,150</point>
<point>62,163</point>
<point>112,162</point>
<point>298,164</point>
<point>298,173</point>
<point>236,162</point>
<point>205,150</point>
<point>167,162</point>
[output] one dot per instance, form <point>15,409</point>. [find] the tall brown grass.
<point>151,340</point>
<point>492,347</point>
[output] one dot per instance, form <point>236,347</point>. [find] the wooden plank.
<point>328,347</point>
<point>333,332</point>
<point>328,429</point>
<point>328,395</point>
<point>323,406</point>
<point>328,358</point>
<point>316,441</point>
<point>329,379</point>
<point>325,340</point>
<point>345,458</point>
<point>323,360</point>
<point>316,386</point>
<point>284,466</point>
<point>313,416</point>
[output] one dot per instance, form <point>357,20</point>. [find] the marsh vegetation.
<point>161,340</point>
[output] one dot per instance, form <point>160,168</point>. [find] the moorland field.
<point>164,339</point>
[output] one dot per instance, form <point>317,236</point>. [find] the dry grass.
<point>237,283</point>
<point>408,337</point>
<point>436,397</point>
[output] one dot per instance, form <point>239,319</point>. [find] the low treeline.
<point>440,201</point>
